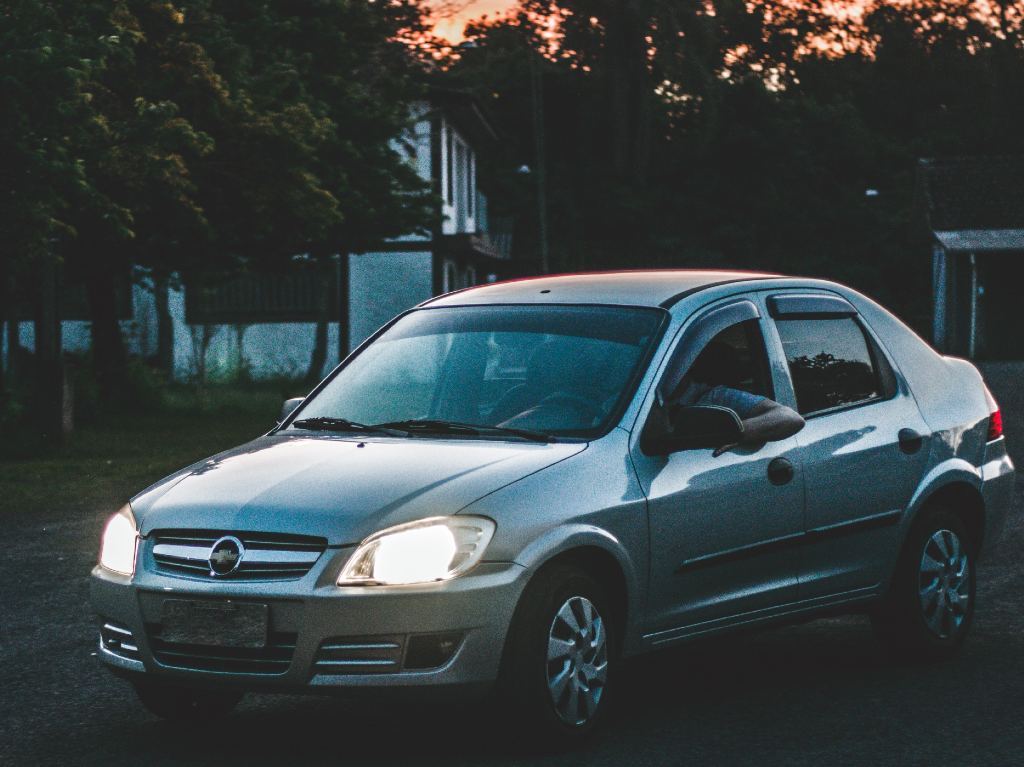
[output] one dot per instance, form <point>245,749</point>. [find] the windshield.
<point>557,370</point>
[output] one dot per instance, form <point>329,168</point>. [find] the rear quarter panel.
<point>950,394</point>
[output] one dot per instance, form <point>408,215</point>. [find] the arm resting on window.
<point>769,421</point>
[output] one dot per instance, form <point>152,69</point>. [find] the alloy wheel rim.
<point>577,660</point>
<point>944,584</point>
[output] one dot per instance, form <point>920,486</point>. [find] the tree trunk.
<point>13,350</point>
<point>242,374</point>
<point>13,342</point>
<point>107,345</point>
<point>10,318</point>
<point>201,337</point>
<point>49,371</point>
<point>629,98</point>
<point>319,357</point>
<point>164,325</point>
<point>6,299</point>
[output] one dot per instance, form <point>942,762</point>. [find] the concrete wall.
<point>267,350</point>
<point>382,285</point>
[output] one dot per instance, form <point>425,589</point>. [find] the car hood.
<point>340,488</point>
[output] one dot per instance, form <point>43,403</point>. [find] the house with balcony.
<point>464,248</point>
<point>271,320</point>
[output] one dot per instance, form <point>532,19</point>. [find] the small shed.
<point>972,209</point>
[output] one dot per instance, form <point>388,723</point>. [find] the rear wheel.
<point>560,656</point>
<point>185,704</point>
<point>930,606</point>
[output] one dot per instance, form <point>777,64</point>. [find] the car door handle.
<point>910,440</point>
<point>780,471</point>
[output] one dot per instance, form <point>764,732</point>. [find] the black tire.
<point>523,682</point>
<point>903,621</point>
<point>186,704</point>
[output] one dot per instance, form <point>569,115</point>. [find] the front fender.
<point>565,538</point>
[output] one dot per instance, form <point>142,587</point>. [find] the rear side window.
<point>830,361</point>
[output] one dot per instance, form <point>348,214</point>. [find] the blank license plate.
<point>215,624</point>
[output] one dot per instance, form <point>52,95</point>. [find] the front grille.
<point>274,658</point>
<point>119,641</point>
<point>359,655</point>
<point>267,556</point>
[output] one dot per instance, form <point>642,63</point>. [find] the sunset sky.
<point>451,29</point>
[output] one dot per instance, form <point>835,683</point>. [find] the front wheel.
<point>560,656</point>
<point>930,606</point>
<point>185,704</point>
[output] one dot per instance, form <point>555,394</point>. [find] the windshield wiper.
<point>326,423</point>
<point>437,426</point>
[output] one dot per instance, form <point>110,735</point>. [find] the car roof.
<point>653,287</point>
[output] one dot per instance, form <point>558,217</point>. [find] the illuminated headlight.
<point>120,541</point>
<point>434,549</point>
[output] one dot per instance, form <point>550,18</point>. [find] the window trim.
<point>705,327</point>
<point>797,306</point>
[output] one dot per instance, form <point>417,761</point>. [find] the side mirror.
<point>289,407</point>
<point>698,426</point>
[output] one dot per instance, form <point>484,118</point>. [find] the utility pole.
<point>537,94</point>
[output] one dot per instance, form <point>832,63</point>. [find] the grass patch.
<point>108,461</point>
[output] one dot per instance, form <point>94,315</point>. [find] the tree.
<point>747,135</point>
<point>44,62</point>
<point>210,138</point>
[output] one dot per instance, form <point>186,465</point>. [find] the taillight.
<point>995,417</point>
<point>995,425</point>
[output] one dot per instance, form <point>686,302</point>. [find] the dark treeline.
<point>723,133</point>
<point>217,136</point>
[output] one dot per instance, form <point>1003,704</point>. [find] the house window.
<point>470,184</point>
<point>449,193</point>
<point>470,276</point>
<point>461,175</point>
<point>449,277</point>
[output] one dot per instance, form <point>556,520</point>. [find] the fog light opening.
<point>431,650</point>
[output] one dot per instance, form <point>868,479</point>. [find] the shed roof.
<point>973,195</point>
<point>981,240</point>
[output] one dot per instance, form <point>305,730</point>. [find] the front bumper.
<point>312,624</point>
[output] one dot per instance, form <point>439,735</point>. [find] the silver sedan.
<point>512,488</point>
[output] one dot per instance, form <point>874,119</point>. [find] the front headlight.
<point>434,549</point>
<point>120,541</point>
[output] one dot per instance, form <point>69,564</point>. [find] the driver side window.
<point>734,359</point>
<point>729,370</point>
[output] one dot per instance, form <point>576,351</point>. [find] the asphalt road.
<point>820,693</point>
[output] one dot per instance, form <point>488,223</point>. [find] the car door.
<point>863,448</point>
<point>721,528</point>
